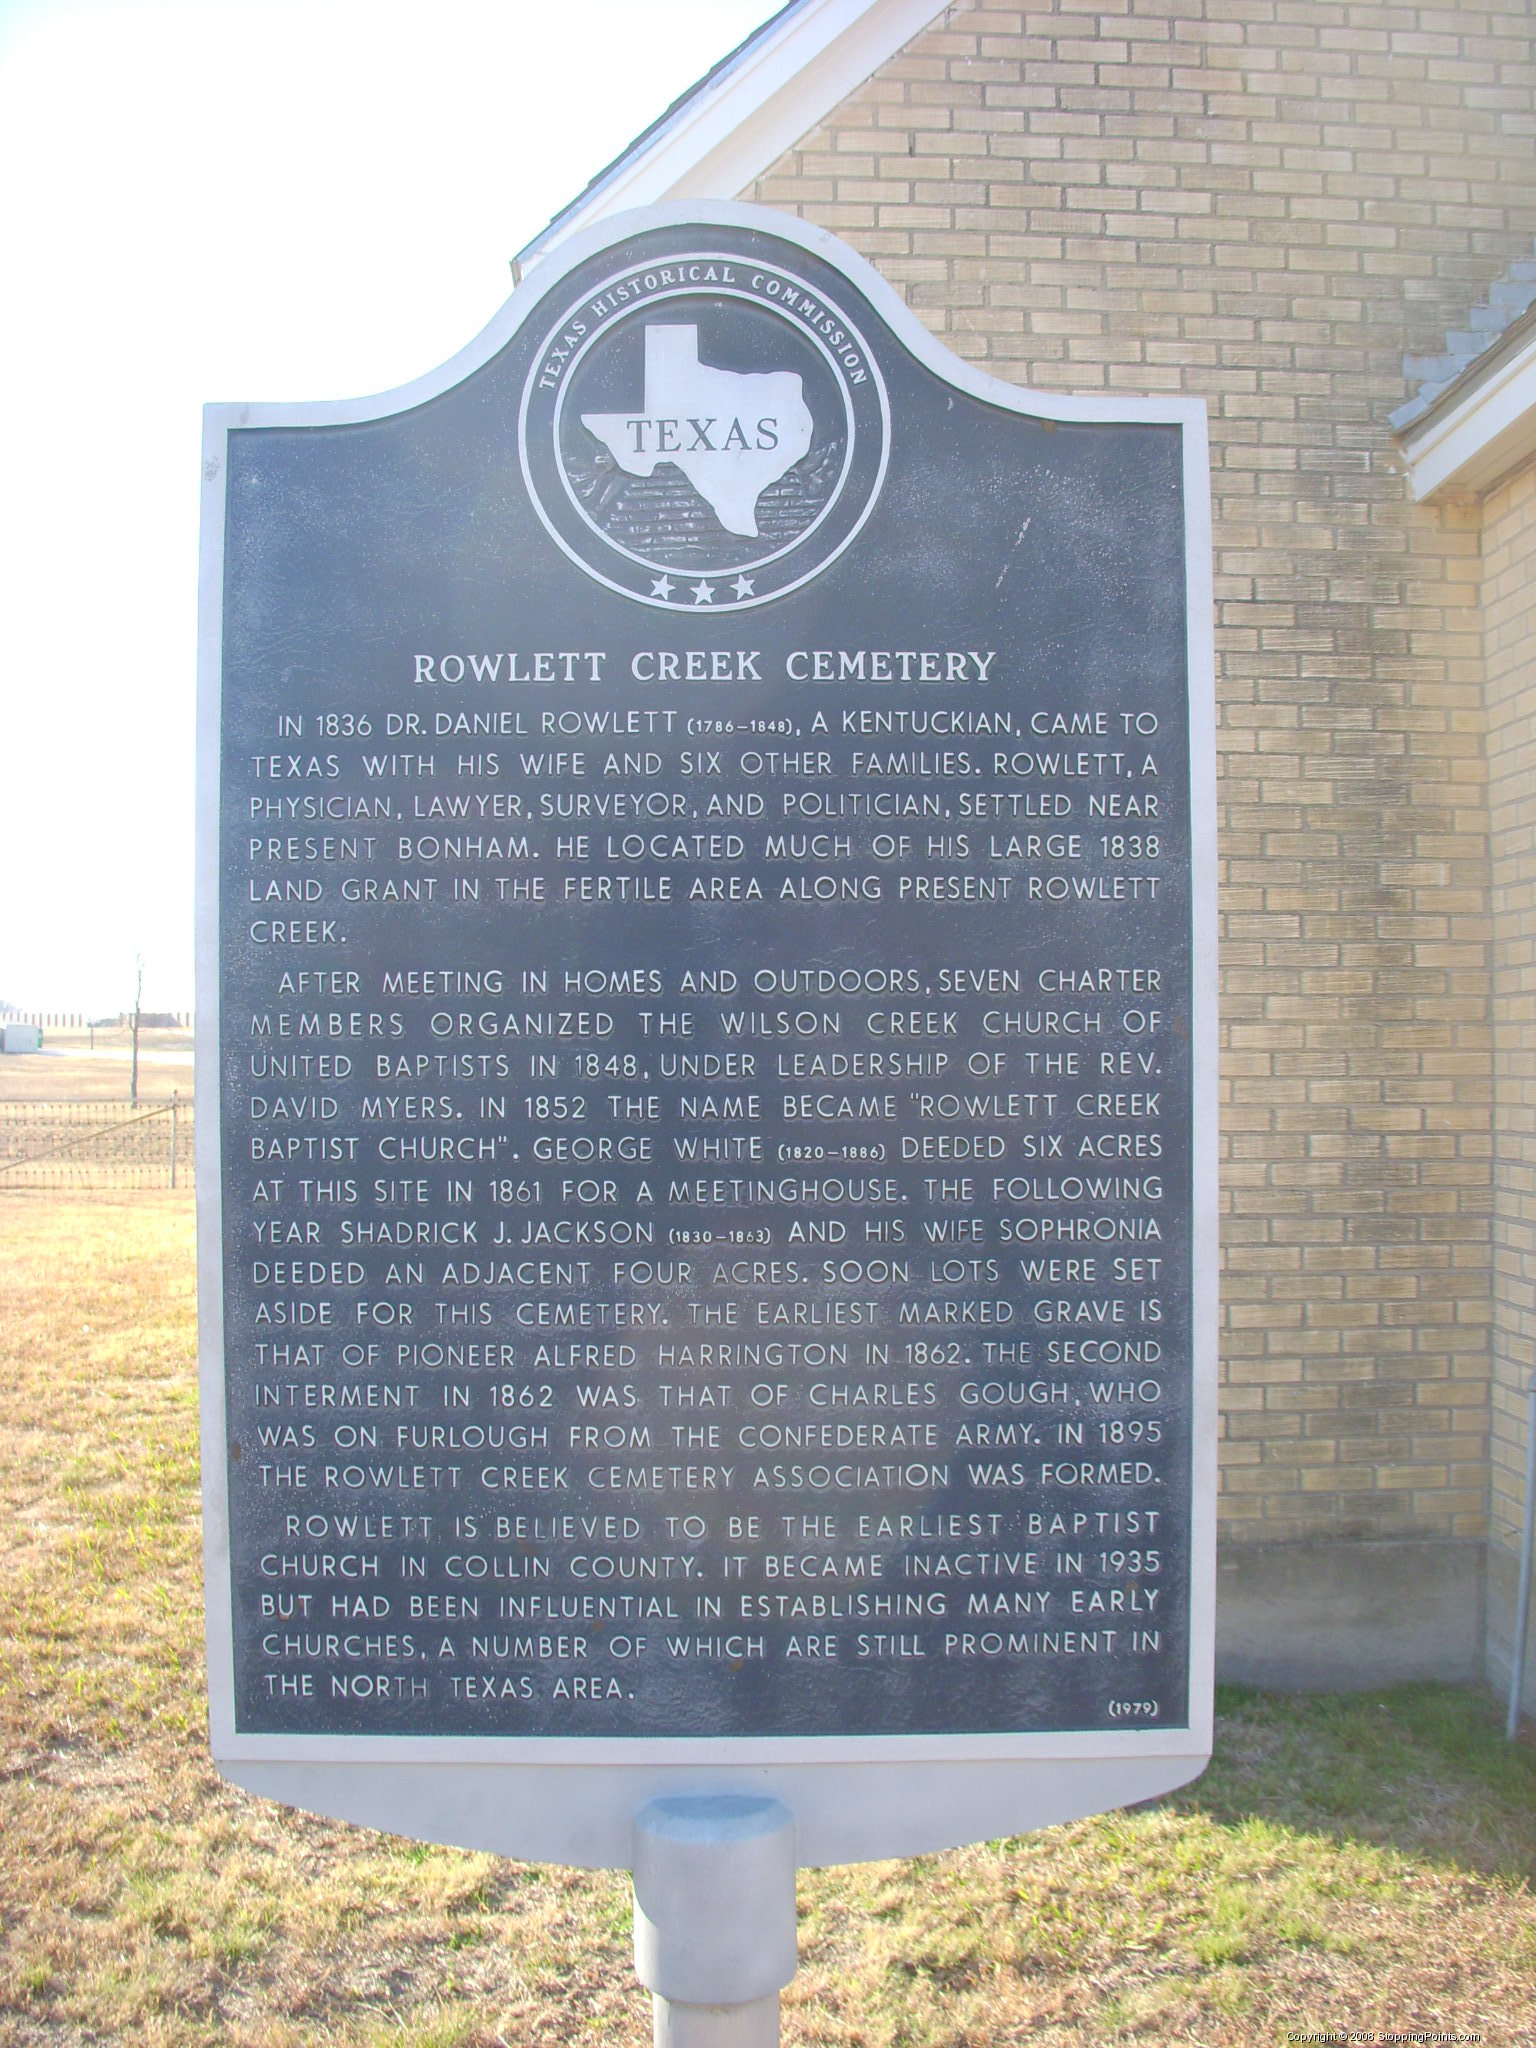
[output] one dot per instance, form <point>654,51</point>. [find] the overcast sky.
<point>232,199</point>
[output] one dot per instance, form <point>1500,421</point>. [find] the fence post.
<point>174,1093</point>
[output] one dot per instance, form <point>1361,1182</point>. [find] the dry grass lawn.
<point>1359,1863</point>
<point>86,1066</point>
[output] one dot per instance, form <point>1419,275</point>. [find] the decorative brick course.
<point>1509,616</point>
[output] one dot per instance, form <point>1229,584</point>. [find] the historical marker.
<point>708,1235</point>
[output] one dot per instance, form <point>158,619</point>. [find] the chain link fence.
<point>96,1144</point>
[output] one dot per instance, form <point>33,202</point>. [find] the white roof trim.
<point>1471,443</point>
<point>731,128</point>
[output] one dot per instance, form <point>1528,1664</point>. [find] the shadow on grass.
<point>1421,1769</point>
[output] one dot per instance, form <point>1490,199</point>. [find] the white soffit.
<point>741,118</point>
<point>1483,425</point>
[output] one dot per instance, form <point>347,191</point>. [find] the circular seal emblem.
<point>705,432</point>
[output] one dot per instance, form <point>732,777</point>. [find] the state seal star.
<point>703,593</point>
<point>662,587</point>
<point>743,587</point>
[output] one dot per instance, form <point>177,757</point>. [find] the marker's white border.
<point>572,1799</point>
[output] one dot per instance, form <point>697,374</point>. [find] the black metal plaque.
<point>705,1074</point>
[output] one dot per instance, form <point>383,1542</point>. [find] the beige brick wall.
<point>1268,203</point>
<point>1509,628</point>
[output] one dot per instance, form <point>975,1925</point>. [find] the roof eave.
<point>741,117</point>
<point>1481,426</point>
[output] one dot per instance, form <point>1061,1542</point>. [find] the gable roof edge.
<point>1483,424</point>
<point>741,117</point>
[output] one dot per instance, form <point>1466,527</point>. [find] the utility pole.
<point>138,996</point>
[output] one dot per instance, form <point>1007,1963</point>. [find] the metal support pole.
<point>1524,1598</point>
<point>715,1918</point>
